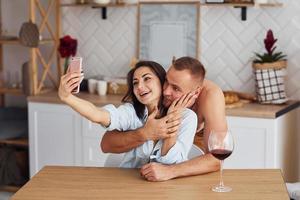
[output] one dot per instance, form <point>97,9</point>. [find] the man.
<point>209,107</point>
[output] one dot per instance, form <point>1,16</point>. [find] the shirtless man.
<point>209,106</point>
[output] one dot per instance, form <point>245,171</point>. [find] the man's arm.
<point>154,129</point>
<point>120,142</point>
<point>212,108</point>
<point>199,165</point>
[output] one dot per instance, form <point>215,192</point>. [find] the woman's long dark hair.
<point>160,72</point>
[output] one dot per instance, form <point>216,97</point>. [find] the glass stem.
<point>221,173</point>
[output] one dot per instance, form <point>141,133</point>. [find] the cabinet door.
<point>54,135</point>
<point>254,143</point>
<point>92,134</point>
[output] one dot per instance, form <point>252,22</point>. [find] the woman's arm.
<point>179,151</point>
<point>70,81</point>
<point>178,105</point>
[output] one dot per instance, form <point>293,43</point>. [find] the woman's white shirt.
<point>124,118</point>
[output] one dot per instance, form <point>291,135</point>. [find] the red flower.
<point>269,42</point>
<point>67,46</point>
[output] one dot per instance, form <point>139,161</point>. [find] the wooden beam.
<point>58,33</point>
<point>46,71</point>
<point>46,17</point>
<point>43,14</point>
<point>33,64</point>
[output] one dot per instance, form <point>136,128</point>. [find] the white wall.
<point>227,43</point>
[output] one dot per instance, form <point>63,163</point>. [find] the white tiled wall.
<point>227,43</point>
<point>105,45</point>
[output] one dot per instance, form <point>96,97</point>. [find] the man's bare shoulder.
<point>211,93</point>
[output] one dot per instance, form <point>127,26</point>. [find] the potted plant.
<point>269,70</point>
<point>270,58</point>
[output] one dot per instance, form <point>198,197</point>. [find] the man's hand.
<point>155,129</point>
<point>157,172</point>
<point>177,107</point>
<point>185,101</point>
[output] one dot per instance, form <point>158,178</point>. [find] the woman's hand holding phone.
<point>69,83</point>
<point>75,66</point>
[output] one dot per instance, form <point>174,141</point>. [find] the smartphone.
<point>75,66</point>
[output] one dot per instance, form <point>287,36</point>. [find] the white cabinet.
<point>60,136</point>
<point>91,137</point>
<point>265,143</point>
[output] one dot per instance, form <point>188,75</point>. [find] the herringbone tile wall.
<point>105,45</point>
<point>227,43</point>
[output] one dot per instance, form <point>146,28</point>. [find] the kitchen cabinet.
<point>54,136</point>
<point>265,143</point>
<point>60,136</point>
<point>91,136</point>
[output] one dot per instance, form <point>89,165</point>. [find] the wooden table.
<point>86,183</point>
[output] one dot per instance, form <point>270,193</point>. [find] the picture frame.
<point>168,30</point>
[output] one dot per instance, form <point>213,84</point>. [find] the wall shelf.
<point>97,5</point>
<point>102,6</point>
<point>243,6</point>
<point>17,42</point>
<point>13,91</point>
<point>21,142</point>
<point>9,188</point>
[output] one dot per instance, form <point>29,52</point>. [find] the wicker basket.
<point>269,82</point>
<point>117,88</point>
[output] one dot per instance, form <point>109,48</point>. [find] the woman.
<point>143,99</point>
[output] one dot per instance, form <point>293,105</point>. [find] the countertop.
<point>248,110</point>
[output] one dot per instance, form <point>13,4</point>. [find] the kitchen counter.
<point>248,110</point>
<point>52,97</point>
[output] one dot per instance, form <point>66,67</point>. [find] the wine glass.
<point>220,145</point>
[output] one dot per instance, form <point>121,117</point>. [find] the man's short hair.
<point>193,65</point>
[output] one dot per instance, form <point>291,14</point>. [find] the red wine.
<point>221,154</point>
